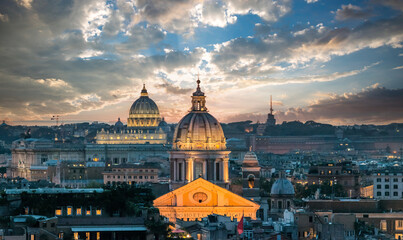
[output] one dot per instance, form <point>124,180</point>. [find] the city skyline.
<point>337,62</point>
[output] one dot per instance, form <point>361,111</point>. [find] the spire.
<point>198,90</point>
<point>271,106</point>
<point>144,90</point>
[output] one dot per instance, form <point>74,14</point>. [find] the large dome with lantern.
<point>199,130</point>
<point>144,112</point>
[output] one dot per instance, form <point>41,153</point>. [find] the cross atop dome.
<point>198,90</point>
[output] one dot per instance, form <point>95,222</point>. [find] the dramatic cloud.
<point>69,57</point>
<point>259,57</point>
<point>351,12</point>
<point>396,4</point>
<point>372,105</point>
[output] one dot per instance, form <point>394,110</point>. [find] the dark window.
<point>179,172</point>
<point>310,219</point>
<point>217,171</point>
<point>386,186</point>
<point>395,186</point>
<point>395,180</point>
<point>379,180</point>
<point>386,193</point>
<point>378,194</point>
<point>395,194</point>
<point>386,179</point>
<point>379,186</point>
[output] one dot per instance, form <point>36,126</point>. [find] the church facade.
<point>199,170</point>
<point>200,198</point>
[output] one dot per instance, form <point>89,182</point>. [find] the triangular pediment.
<point>202,193</point>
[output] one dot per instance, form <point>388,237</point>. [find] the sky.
<point>337,62</point>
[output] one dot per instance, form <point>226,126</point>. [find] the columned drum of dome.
<point>144,113</point>
<point>199,146</point>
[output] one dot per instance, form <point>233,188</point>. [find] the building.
<point>199,147</point>
<point>251,184</point>
<point>388,184</point>
<point>200,198</point>
<point>199,170</point>
<point>344,173</point>
<point>143,125</point>
<point>130,174</point>
<point>145,137</point>
<point>282,194</point>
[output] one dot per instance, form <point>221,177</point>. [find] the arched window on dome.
<point>251,181</point>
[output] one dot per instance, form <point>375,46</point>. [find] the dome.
<point>144,112</point>
<point>119,123</point>
<point>282,186</point>
<point>163,123</point>
<point>250,160</point>
<point>199,130</point>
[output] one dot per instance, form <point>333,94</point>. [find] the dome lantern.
<point>198,99</point>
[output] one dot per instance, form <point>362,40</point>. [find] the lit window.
<point>58,212</point>
<point>88,212</point>
<point>98,235</point>
<point>69,211</point>
<point>99,212</point>
<point>399,224</point>
<point>95,159</point>
<point>78,211</point>
<point>87,235</point>
<point>76,236</point>
<point>383,225</point>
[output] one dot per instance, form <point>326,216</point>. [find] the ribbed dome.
<point>282,186</point>
<point>250,160</point>
<point>144,112</point>
<point>144,105</point>
<point>199,130</point>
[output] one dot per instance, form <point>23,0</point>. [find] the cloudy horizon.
<point>337,62</point>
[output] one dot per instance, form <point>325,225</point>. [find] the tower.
<point>271,121</point>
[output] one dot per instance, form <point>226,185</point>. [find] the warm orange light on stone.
<point>200,198</point>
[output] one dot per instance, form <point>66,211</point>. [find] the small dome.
<point>163,123</point>
<point>282,186</point>
<point>250,160</point>
<point>119,123</point>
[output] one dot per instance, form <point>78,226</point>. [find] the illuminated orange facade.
<point>200,198</point>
